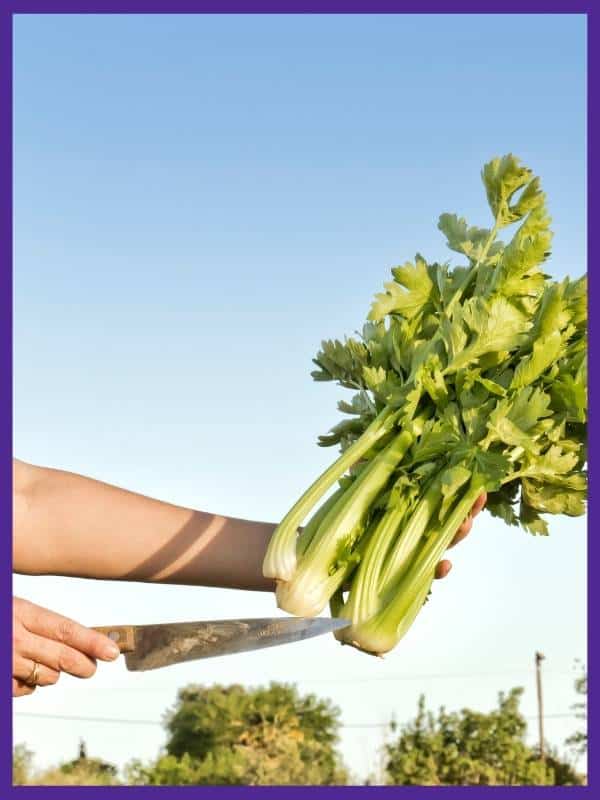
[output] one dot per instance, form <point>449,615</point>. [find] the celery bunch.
<point>465,379</point>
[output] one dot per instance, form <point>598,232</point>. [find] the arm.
<point>66,524</point>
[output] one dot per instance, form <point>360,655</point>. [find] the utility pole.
<point>539,657</point>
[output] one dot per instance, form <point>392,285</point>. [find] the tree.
<point>471,748</point>
<point>86,770</point>
<point>22,761</point>
<point>224,735</point>
<point>83,771</point>
<point>578,740</point>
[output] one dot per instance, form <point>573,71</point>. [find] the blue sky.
<point>199,200</point>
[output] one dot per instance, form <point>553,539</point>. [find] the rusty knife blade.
<point>161,645</point>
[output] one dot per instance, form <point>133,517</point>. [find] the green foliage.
<point>80,772</point>
<point>470,748</point>
<point>236,736</point>
<point>22,762</point>
<point>578,741</point>
<point>225,736</point>
<point>408,294</point>
<point>82,775</point>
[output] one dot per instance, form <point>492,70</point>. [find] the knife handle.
<point>122,635</point>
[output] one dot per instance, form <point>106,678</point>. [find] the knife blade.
<point>154,646</point>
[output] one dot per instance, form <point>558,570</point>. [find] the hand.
<point>444,567</point>
<point>56,644</point>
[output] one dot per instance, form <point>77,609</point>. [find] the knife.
<point>154,646</point>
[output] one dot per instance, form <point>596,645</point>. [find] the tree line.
<point>274,735</point>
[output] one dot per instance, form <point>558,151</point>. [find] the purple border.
<point>298,7</point>
<point>253,6</point>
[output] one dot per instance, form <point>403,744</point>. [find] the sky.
<point>199,201</point>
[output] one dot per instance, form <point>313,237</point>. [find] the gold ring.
<point>33,676</point>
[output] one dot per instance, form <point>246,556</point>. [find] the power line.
<point>69,718</point>
<point>123,721</point>
<point>429,677</point>
<point>359,679</point>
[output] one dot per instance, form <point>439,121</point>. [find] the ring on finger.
<point>32,679</point>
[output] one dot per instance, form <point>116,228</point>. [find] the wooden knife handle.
<point>122,635</point>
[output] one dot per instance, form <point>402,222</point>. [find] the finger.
<point>54,626</point>
<point>463,531</point>
<point>59,657</point>
<point>479,504</point>
<point>23,667</point>
<point>443,568</point>
<point>20,689</point>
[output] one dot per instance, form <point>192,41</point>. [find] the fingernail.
<point>110,652</point>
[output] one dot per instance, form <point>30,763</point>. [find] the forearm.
<point>66,524</point>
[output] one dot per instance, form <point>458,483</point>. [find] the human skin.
<point>70,525</point>
<point>56,643</point>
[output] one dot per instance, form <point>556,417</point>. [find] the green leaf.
<point>502,429</point>
<point>433,382</point>
<point>475,419</point>
<point>492,468</point>
<point>553,312</point>
<point>495,325</point>
<point>454,336</point>
<point>545,352</point>
<point>464,239</point>
<point>518,274</point>
<point>407,294</point>
<point>553,499</point>
<point>575,297</point>
<point>402,342</point>
<point>436,441</point>
<point>531,198</point>
<point>492,387</point>
<point>374,378</point>
<point>502,178</point>
<point>345,428</point>
<point>342,362</point>
<point>386,386</point>
<point>531,521</point>
<point>501,503</point>
<point>528,407</point>
<point>359,405</point>
<point>453,479</point>
<point>551,466</point>
<point>570,395</point>
<point>503,510</point>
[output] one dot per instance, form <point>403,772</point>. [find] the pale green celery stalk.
<point>412,534</point>
<point>383,631</point>
<point>336,601</point>
<point>388,555</point>
<point>280,559</point>
<point>334,585</point>
<point>348,635</point>
<point>306,535</point>
<point>316,576</point>
<point>364,597</point>
<point>416,606</point>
